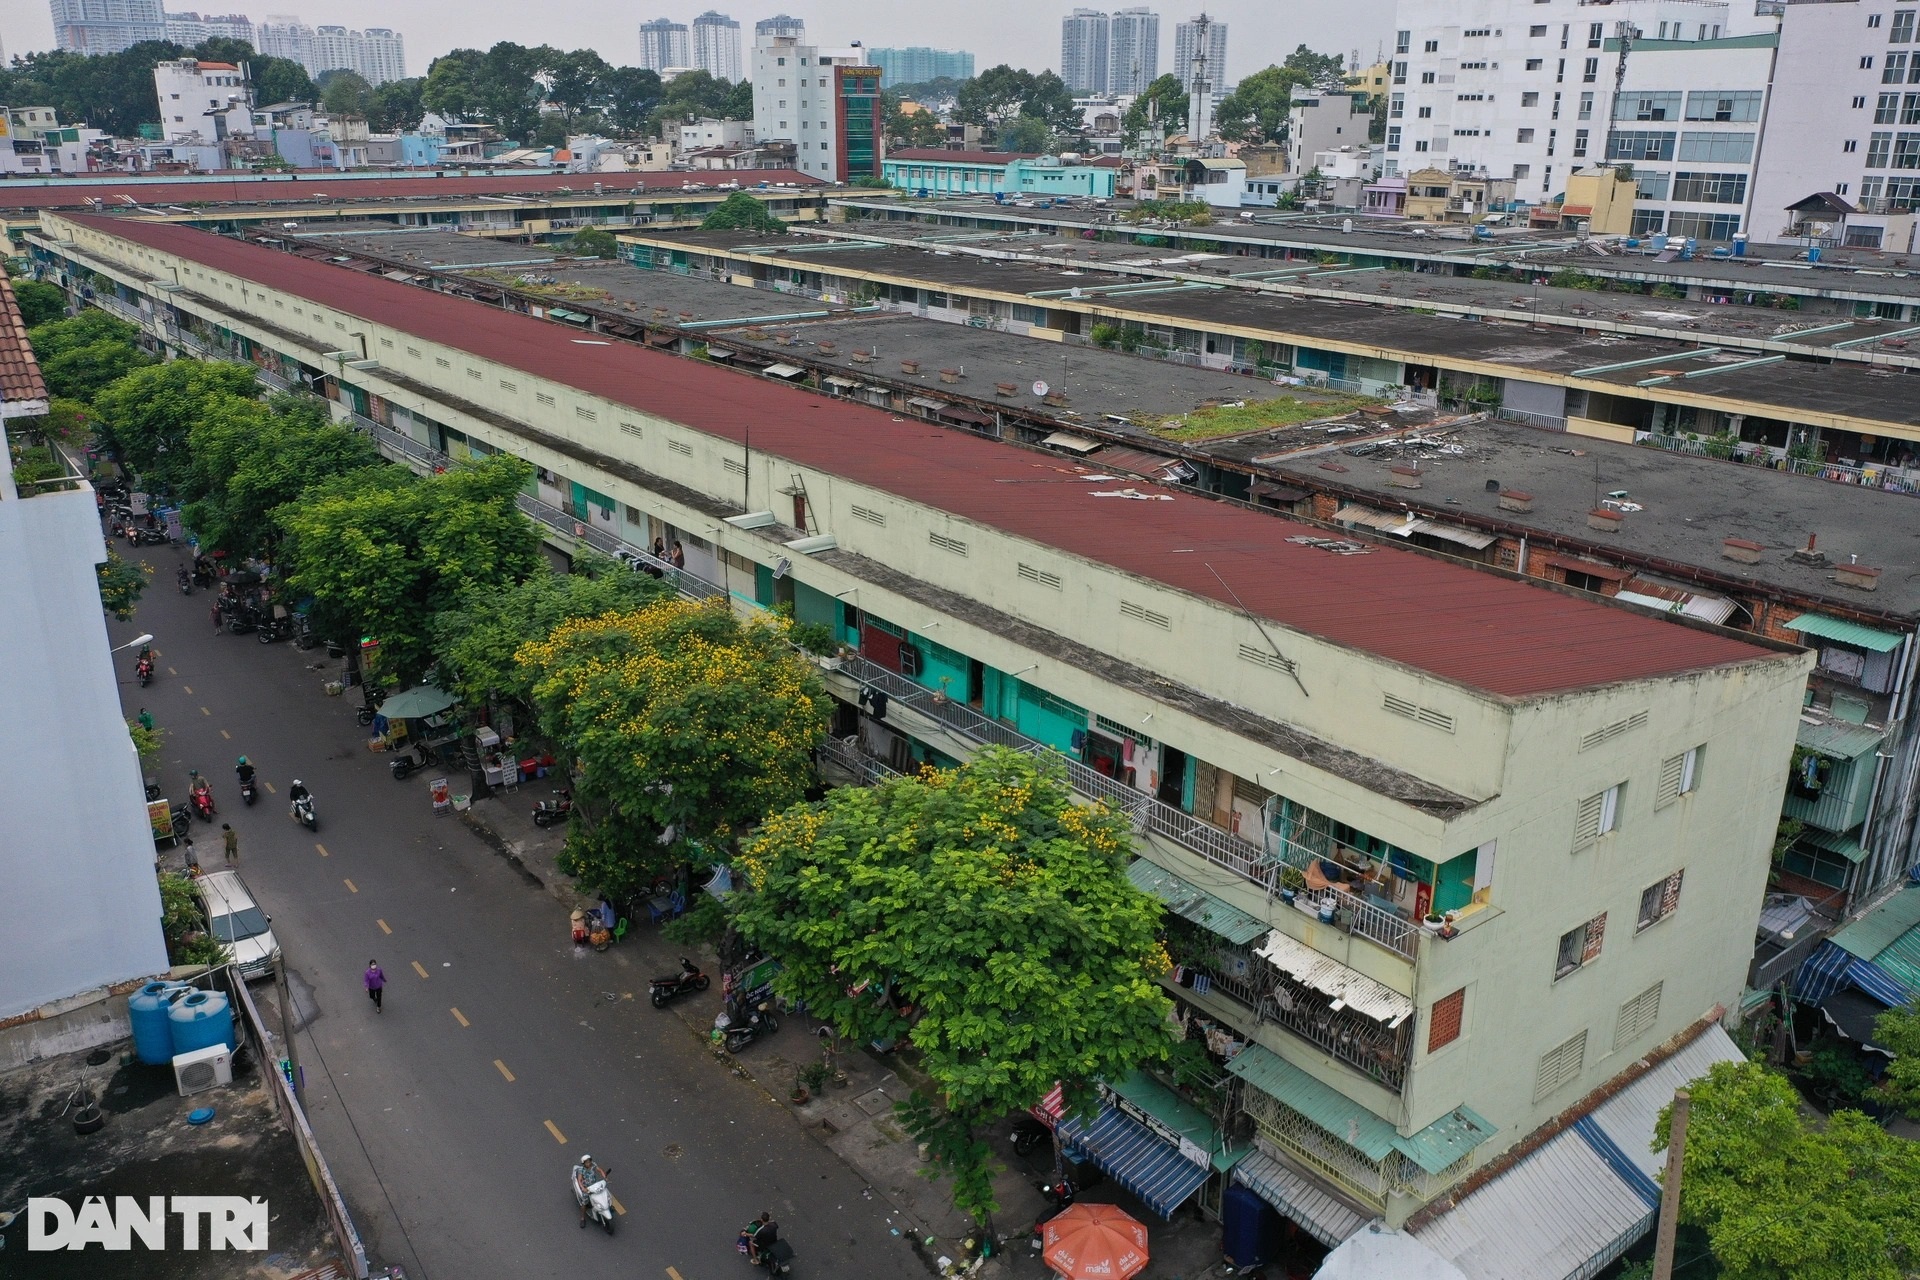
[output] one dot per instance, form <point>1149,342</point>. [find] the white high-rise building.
<point>1133,51</point>
<point>716,45</point>
<point>283,35</point>
<point>663,44</point>
<point>1515,89</point>
<point>191,28</point>
<point>107,26</point>
<point>779,26</point>
<point>1084,34</point>
<point>824,101</point>
<point>383,55</point>
<point>333,49</point>
<point>1202,34</point>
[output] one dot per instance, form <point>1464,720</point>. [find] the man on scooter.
<point>585,1174</point>
<point>762,1234</point>
<point>245,770</point>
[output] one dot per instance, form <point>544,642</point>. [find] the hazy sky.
<point>1014,31</point>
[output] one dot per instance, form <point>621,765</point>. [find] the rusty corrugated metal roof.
<point>1456,623</point>
<point>19,372</point>
<point>305,190</point>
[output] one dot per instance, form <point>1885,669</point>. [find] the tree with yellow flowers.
<point>980,914</point>
<point>684,722</point>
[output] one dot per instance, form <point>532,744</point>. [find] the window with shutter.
<point>1637,1017</point>
<point>1678,776</point>
<point>1560,1066</point>
<point>1443,1022</point>
<point>1596,816</point>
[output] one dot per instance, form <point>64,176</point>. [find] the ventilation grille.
<point>1039,576</point>
<point>631,428</point>
<point>945,543</point>
<point>1414,711</point>
<point>414,352</point>
<point>1637,1017</point>
<point>512,388</point>
<point>681,447</point>
<point>1140,613</point>
<point>870,516</point>
<point>1266,658</point>
<point>475,374</point>
<point>733,466</point>
<point>1638,720</point>
<point>442,361</point>
<point>1560,1066</point>
<point>543,397</point>
<point>585,415</point>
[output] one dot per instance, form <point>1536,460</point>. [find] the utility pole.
<point>1670,1191</point>
<point>286,1023</point>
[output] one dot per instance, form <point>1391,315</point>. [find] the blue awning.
<point>1832,968</point>
<point>1137,1158</point>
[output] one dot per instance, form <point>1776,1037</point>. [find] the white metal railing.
<point>1895,479</point>
<point>850,757</point>
<point>1527,418</point>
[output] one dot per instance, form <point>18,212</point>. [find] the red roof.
<point>19,372</point>
<point>255,189</point>
<point>1460,624</point>
<point>961,157</point>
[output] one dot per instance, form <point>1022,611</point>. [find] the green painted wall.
<point>813,605</point>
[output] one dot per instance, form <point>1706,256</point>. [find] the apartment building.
<point>106,26</point>
<point>1322,740</point>
<point>1201,36</point>
<point>1522,91</point>
<point>202,101</point>
<point>665,44</point>
<point>191,29</point>
<point>1084,37</point>
<point>714,41</point>
<point>1133,50</point>
<point>284,35</point>
<point>1319,122</point>
<point>779,26</point>
<point>1852,74</point>
<point>919,64</point>
<point>378,54</point>
<point>824,101</point>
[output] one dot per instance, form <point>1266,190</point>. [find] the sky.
<point>994,31</point>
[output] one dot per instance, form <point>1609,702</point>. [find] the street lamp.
<point>129,644</point>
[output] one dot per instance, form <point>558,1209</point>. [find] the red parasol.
<point>1095,1242</point>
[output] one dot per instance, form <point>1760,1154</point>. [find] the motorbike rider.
<point>202,793</point>
<point>295,794</point>
<point>762,1234</point>
<point>585,1174</point>
<point>245,770</point>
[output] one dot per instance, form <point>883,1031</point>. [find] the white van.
<point>235,919</point>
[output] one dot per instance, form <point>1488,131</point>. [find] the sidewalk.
<point>854,1121</point>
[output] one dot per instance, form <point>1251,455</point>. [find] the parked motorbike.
<point>408,760</point>
<point>592,1191</point>
<point>303,813</point>
<point>1059,1192</point>
<point>548,812</point>
<point>737,1034</point>
<point>669,987</point>
<point>241,619</point>
<point>185,579</point>
<point>139,537</point>
<point>1028,1135</point>
<point>364,713</point>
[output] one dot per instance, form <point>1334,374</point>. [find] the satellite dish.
<point>783,568</point>
<point>1040,388</point>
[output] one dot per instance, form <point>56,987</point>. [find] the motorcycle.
<point>138,537</point>
<point>249,791</point>
<point>1028,1135</point>
<point>548,812</point>
<point>776,1259</point>
<point>737,1035</point>
<point>303,813</point>
<point>595,1195</point>
<point>201,800</point>
<point>408,760</point>
<point>364,713</point>
<point>185,580</point>
<point>143,671</point>
<point>669,987</point>
<point>242,619</point>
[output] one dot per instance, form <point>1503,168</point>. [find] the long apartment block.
<point>1321,740</point>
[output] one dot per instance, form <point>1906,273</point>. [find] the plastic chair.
<point>620,929</point>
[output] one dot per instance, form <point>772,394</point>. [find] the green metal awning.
<point>1846,846</point>
<point>1205,910</point>
<point>1842,741</point>
<point>1433,1148</point>
<point>1852,633</point>
<point>1882,927</point>
<point>1901,960</point>
<point>1179,1115</point>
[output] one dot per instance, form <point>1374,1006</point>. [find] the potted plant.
<point>1292,881</point>
<point>940,694</point>
<point>1447,929</point>
<point>1433,921</point>
<point>807,1081</point>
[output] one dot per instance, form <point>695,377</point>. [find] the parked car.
<point>236,918</point>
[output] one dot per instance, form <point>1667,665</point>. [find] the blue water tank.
<point>200,1021</point>
<point>148,1009</point>
<point>1813,253</point>
<point>1251,1232</point>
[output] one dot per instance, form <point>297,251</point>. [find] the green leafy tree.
<point>453,85</point>
<point>250,459</point>
<point>146,742</point>
<point>574,82</point>
<point>346,93</point>
<point>396,105</point>
<point>277,80</point>
<point>476,641</point>
<point>1780,1199</point>
<point>1898,1032</point>
<point>591,242</point>
<point>739,103</point>
<point>40,303</point>
<point>147,413</point>
<point>912,128</point>
<point>184,925</point>
<point>686,723</point>
<point>80,356</point>
<point>112,91</point>
<point>629,95</point>
<point>695,95</point>
<point>1256,111</point>
<point>381,551</point>
<point>1027,134</point>
<point>1169,107</point>
<point>979,914</point>
<point>121,582</point>
<point>741,212</point>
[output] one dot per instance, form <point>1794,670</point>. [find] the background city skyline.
<point>996,32</point>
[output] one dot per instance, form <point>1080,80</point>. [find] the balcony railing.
<point>1893,479</point>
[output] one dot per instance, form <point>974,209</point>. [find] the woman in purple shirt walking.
<point>376,981</point>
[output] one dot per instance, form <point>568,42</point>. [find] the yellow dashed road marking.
<point>351,886</point>
<point>674,1275</point>
<point>509,1075</point>
<point>460,1017</point>
<point>172,672</point>
<point>269,787</point>
<point>186,688</point>
<point>205,712</point>
<point>383,926</point>
<point>323,850</point>
<point>558,1136</point>
<point>226,735</point>
<point>419,968</point>
<point>617,1206</point>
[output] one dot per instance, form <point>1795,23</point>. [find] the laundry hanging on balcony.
<point>1348,987</point>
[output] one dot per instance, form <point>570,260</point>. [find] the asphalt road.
<point>451,1119</point>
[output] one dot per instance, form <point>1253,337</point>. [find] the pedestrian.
<point>232,838</point>
<point>376,982</point>
<point>216,617</point>
<point>679,557</point>
<point>146,719</point>
<point>193,859</point>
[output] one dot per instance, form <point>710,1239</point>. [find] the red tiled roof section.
<point>960,157</point>
<point>256,190</point>
<point>19,372</point>
<point>1459,624</point>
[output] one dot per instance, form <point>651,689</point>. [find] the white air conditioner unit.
<point>203,1069</point>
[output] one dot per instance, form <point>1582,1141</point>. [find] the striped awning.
<point>1832,968</point>
<point>1137,1158</point>
<point>1328,976</point>
<point>1327,1218</point>
<point>1049,1109</point>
